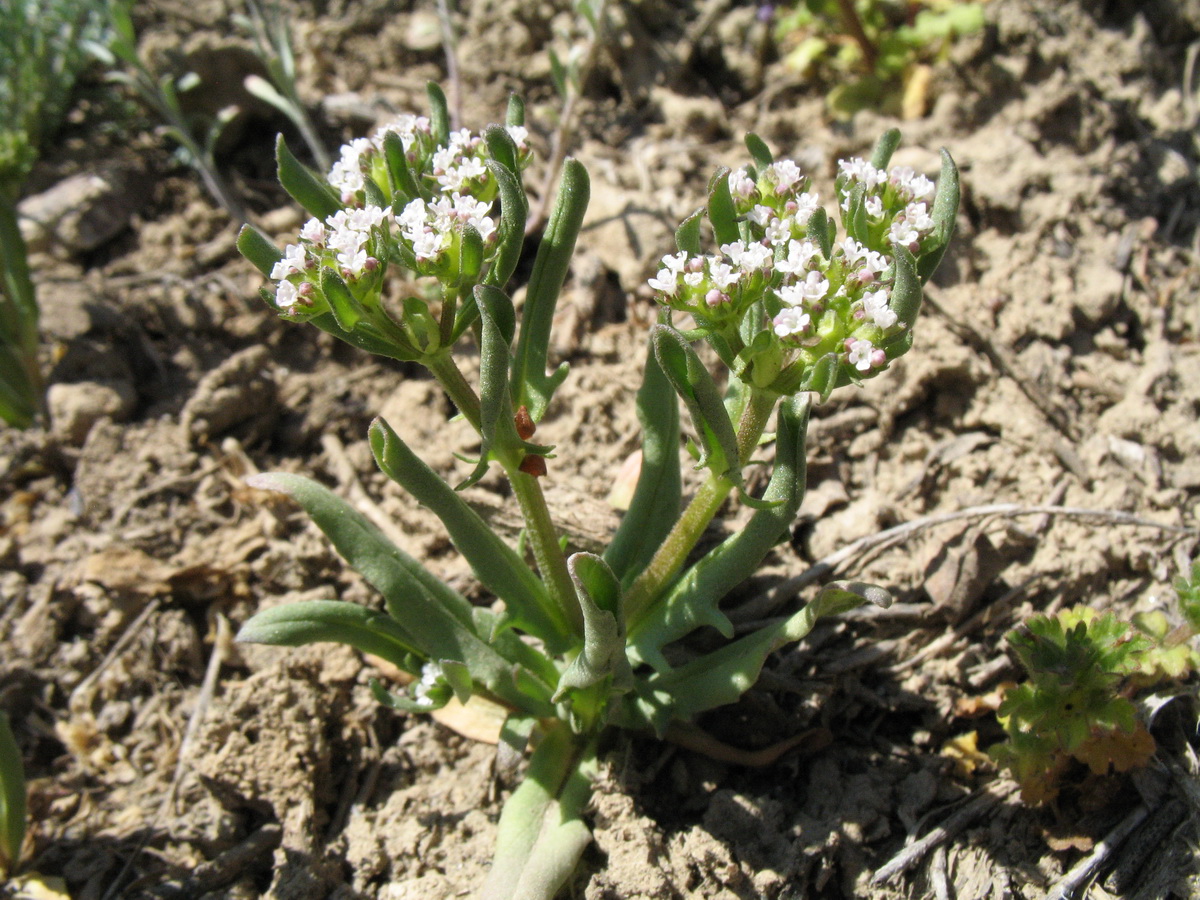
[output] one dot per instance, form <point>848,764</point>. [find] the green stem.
<point>673,553</point>
<point>547,552</point>
<point>462,395</point>
<point>18,318</point>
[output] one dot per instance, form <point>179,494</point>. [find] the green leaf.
<point>12,798</point>
<point>366,337</point>
<point>721,677</point>
<point>888,142</point>
<point>531,386</point>
<point>603,653</point>
<point>439,114</point>
<point>906,292</point>
<point>687,235</point>
<point>470,257</point>
<point>494,563</point>
<point>514,210</point>
<point>303,186</point>
<point>541,834</point>
<point>432,618</point>
<point>259,249</point>
<point>759,151</point>
<point>398,168</point>
<point>702,398</point>
<point>656,499</point>
<point>334,621</point>
<point>820,231</point>
<point>346,308</point>
<point>694,599</point>
<point>498,323</point>
<point>515,114</point>
<point>721,214</point>
<point>944,213</point>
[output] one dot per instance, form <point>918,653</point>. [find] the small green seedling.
<point>1085,669</point>
<point>876,53</point>
<point>12,799</point>
<point>583,643</point>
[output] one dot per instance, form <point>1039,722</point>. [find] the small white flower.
<point>875,303</point>
<point>791,321</point>
<point>723,275</point>
<point>293,261</point>
<point>355,261</point>
<point>368,217</point>
<point>693,279</point>
<point>784,174</point>
<point>862,172</point>
<point>799,254</point>
<point>665,282</point>
<point>861,352</point>
<point>741,185</point>
<point>779,231</point>
<point>347,240</point>
<point>806,204</point>
<point>313,231</point>
<point>910,185</point>
<point>675,263</point>
<point>903,233</point>
<point>874,207</point>
<point>286,295</point>
<point>761,215</point>
<point>427,245</point>
<point>519,134</point>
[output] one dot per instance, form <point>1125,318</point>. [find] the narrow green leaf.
<point>494,563</point>
<point>334,621</point>
<point>342,303</point>
<point>886,146</point>
<point>515,115</point>
<point>532,386</point>
<point>759,151</point>
<point>721,214</point>
<point>439,114</point>
<point>259,249</point>
<point>603,653</point>
<point>432,618</point>
<point>541,834</point>
<point>303,186</point>
<point>906,292</point>
<point>470,258</point>
<point>687,235</point>
<point>656,500</point>
<point>514,210</point>
<point>721,677</point>
<point>498,321</point>
<point>702,397</point>
<point>12,798</point>
<point>501,147</point>
<point>366,337</point>
<point>855,218</point>
<point>820,232</point>
<point>398,168</point>
<point>694,598</point>
<point>944,213</point>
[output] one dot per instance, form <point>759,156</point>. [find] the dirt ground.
<point>1057,364</point>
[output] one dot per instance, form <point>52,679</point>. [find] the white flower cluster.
<point>343,242</point>
<point>817,304</point>
<point>348,174</point>
<point>431,677</point>
<point>430,227</point>
<point>899,196</point>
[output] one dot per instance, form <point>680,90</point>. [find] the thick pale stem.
<point>462,395</point>
<point>673,553</point>
<point>547,552</point>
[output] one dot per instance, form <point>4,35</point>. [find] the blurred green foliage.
<point>876,53</point>
<point>42,52</point>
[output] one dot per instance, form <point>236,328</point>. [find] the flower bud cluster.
<point>817,301</point>
<point>896,201</point>
<point>350,242</point>
<point>423,235</point>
